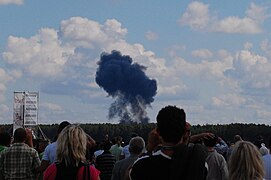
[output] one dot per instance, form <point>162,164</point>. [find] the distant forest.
<point>226,132</point>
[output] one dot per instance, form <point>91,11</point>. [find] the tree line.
<point>225,131</point>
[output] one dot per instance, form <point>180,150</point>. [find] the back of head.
<point>20,135</point>
<point>245,162</point>
<point>5,139</point>
<point>136,145</point>
<point>71,145</point>
<point>211,141</point>
<point>62,125</point>
<point>237,138</point>
<point>171,122</point>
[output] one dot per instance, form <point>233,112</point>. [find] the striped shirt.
<point>105,163</point>
<point>19,162</point>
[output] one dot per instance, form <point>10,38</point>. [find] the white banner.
<point>31,109</point>
<point>18,110</point>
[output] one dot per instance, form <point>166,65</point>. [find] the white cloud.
<point>64,61</point>
<point>151,35</point>
<point>197,17</point>
<point>248,46</point>
<point>237,25</point>
<point>266,47</point>
<point>262,114</point>
<point>257,13</point>
<point>202,53</point>
<point>207,69</point>
<point>252,71</point>
<point>172,89</point>
<point>55,56</point>
<point>51,107</point>
<point>228,100</point>
<point>41,55</point>
<point>176,50</point>
<point>17,2</point>
<point>4,113</point>
<point>5,78</point>
<point>76,30</point>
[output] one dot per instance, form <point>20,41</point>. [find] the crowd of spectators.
<point>171,152</point>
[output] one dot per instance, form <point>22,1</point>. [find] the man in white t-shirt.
<point>49,155</point>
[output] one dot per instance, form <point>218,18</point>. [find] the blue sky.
<point>210,58</point>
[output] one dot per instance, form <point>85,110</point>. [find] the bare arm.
<point>90,141</point>
<point>29,138</point>
<point>43,166</point>
<point>204,135</point>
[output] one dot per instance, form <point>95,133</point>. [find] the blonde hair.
<point>245,162</point>
<point>71,145</point>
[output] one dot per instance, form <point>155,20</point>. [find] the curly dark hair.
<point>171,122</point>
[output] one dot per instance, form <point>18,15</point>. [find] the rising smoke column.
<point>128,84</point>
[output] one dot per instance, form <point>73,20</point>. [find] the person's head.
<point>237,138</point>
<point>245,162</point>
<point>19,135</point>
<point>71,145</point>
<point>106,137</point>
<point>136,145</point>
<point>263,150</point>
<point>5,139</point>
<point>154,140</point>
<point>62,125</point>
<point>118,140</point>
<point>171,122</point>
<point>210,141</point>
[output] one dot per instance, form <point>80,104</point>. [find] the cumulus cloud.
<point>150,35</point>
<point>202,53</point>
<point>65,59</point>
<point>248,46</point>
<point>76,31</point>
<point>41,55</point>
<point>252,71</point>
<point>198,17</point>
<point>237,25</point>
<point>17,2</point>
<point>63,62</point>
<point>207,69</point>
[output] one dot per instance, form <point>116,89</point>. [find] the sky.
<point>211,58</point>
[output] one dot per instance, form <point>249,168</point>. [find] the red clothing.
<point>50,173</point>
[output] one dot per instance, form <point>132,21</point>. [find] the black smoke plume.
<point>127,83</point>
